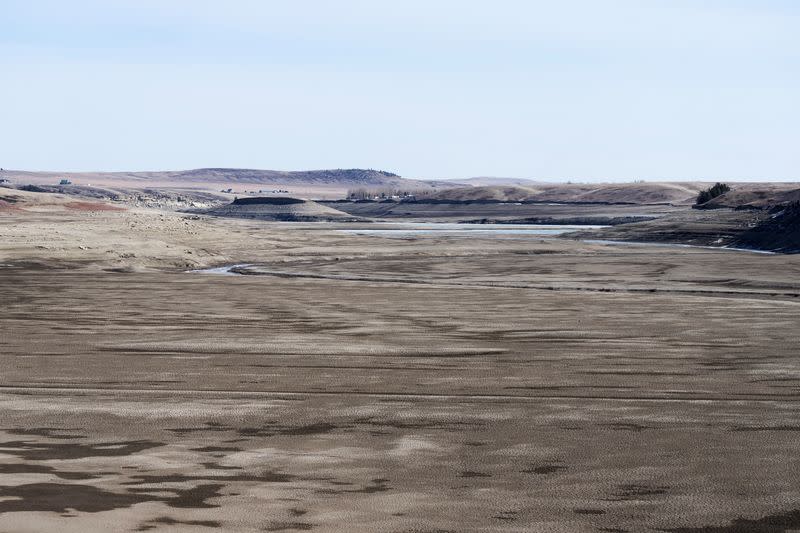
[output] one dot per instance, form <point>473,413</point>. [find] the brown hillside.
<point>757,196</point>
<point>613,193</point>
<point>315,183</point>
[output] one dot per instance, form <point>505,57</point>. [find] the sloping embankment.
<point>719,227</point>
<point>775,230</point>
<point>281,209</point>
<point>779,232</point>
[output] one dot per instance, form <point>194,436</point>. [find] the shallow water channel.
<point>410,229</point>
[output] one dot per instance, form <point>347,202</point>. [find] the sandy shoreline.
<point>365,383</point>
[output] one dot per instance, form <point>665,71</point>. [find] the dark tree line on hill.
<point>388,193</point>
<point>711,193</point>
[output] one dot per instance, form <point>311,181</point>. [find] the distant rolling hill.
<point>611,193</point>
<point>482,181</point>
<point>333,183</point>
<point>754,195</point>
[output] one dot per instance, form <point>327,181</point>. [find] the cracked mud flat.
<point>399,386</point>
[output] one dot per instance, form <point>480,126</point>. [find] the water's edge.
<point>226,270</point>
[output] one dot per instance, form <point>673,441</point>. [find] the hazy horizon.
<point>67,173</point>
<point>579,91</point>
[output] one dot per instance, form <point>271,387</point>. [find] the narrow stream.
<point>675,245</point>
<point>221,271</point>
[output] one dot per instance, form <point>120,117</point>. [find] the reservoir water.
<point>411,229</point>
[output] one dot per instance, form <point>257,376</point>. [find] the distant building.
<point>65,182</point>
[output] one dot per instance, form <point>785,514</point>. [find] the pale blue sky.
<point>567,89</point>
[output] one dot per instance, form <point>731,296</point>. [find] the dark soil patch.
<point>264,477</point>
<point>777,523</point>
<point>216,449</point>
<point>166,520</point>
<point>289,526</point>
<point>43,451</point>
<point>58,498</point>
<point>631,492</point>
<point>470,473</point>
<point>52,433</point>
<point>544,470</point>
<point>318,428</point>
<point>375,485</point>
<point>26,468</point>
